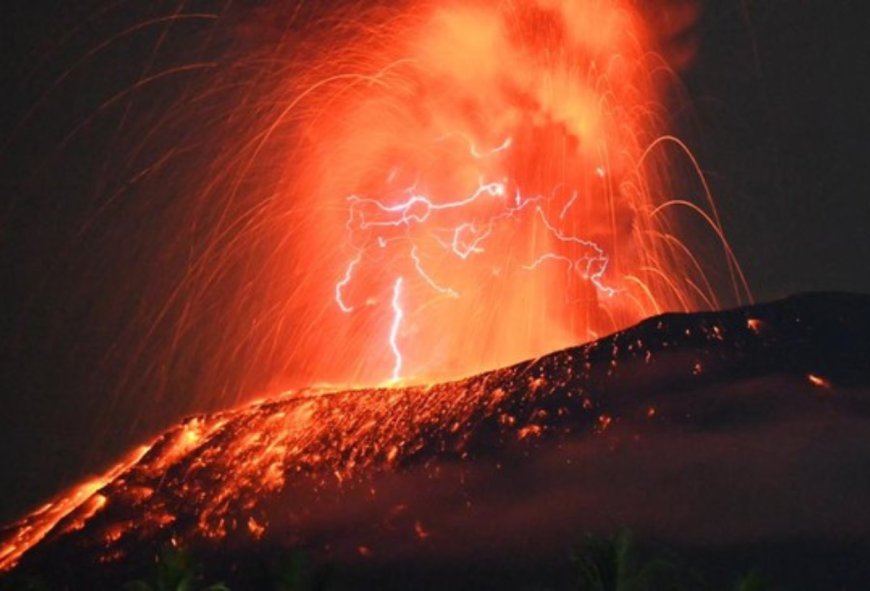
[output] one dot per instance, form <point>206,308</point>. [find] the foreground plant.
<point>751,582</point>
<point>176,571</point>
<point>610,563</point>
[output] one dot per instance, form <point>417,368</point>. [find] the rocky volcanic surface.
<point>739,439</point>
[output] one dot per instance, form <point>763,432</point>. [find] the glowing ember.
<point>818,381</point>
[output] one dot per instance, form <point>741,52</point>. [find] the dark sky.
<point>780,125</point>
<point>781,92</point>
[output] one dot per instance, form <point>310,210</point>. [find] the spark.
<point>468,237</point>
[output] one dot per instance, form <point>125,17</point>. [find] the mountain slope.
<point>721,429</point>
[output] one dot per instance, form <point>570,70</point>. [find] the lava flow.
<point>291,469</point>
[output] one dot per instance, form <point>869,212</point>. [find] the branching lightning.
<point>425,276</point>
<point>417,219</point>
<point>343,283</point>
<point>512,162</point>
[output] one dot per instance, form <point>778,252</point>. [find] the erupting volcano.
<point>422,203</point>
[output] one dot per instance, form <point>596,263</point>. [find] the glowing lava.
<point>269,470</point>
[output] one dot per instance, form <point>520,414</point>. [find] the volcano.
<point>734,435</point>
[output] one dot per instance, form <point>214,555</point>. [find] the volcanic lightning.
<point>466,239</point>
<point>514,163</point>
<point>394,330</point>
<point>519,193</point>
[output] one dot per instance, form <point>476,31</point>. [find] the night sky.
<point>779,124</point>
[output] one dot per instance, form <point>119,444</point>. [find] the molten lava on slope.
<point>389,472</point>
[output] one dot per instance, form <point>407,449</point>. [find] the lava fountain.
<point>453,186</point>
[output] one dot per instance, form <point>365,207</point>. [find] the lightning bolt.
<point>419,265</point>
<point>398,314</point>
<point>348,274</point>
<point>406,216</point>
<point>596,265</point>
<point>464,239</point>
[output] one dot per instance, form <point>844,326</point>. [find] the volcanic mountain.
<point>732,436</point>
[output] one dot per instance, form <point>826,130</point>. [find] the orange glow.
<point>78,504</point>
<point>215,476</point>
<point>455,187</point>
<point>530,431</point>
<point>256,451</point>
<point>818,381</point>
<point>255,528</point>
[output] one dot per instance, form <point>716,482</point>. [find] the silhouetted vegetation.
<point>610,563</point>
<point>175,571</point>
<point>294,572</point>
<point>751,582</point>
<point>613,563</point>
